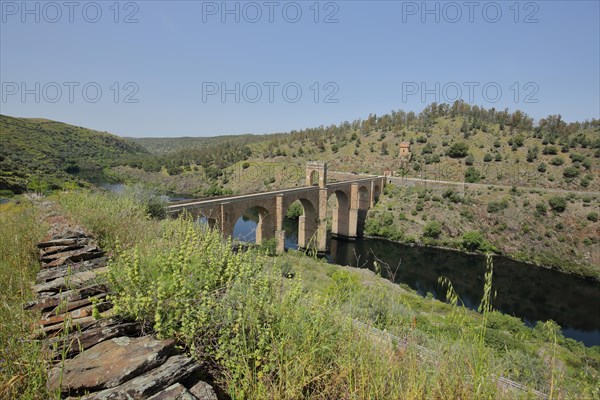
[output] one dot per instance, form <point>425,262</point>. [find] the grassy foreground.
<point>22,366</point>
<point>263,335</point>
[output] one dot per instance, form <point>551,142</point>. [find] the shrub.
<point>570,172</point>
<point>472,175</point>
<point>469,160</point>
<point>552,150</point>
<point>432,229</point>
<point>294,211</point>
<point>540,208</point>
<point>474,241</point>
<point>458,150</point>
<point>452,195</point>
<point>576,157</point>
<point>541,167</point>
<point>496,206</point>
<point>488,157</point>
<point>593,216</point>
<point>557,203</point>
<point>557,161</point>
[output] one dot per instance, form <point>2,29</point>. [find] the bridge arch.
<point>313,178</point>
<point>364,198</point>
<point>308,222</point>
<point>340,221</point>
<point>376,192</point>
<point>318,167</point>
<point>265,224</point>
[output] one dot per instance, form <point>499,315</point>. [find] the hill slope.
<point>41,154</point>
<point>169,145</point>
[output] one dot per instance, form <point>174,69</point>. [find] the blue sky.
<point>349,59</point>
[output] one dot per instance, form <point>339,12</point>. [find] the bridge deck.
<point>178,206</point>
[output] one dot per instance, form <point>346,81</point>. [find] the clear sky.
<point>197,68</point>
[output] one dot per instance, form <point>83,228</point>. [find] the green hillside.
<point>169,144</point>
<point>445,141</point>
<point>40,154</point>
<point>455,142</point>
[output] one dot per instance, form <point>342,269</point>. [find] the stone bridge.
<point>354,198</point>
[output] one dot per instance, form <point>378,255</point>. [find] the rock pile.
<point>102,358</point>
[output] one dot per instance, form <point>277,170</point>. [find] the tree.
<point>384,149</point>
<point>458,150</point>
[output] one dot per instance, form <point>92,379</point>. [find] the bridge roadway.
<point>353,199</point>
<point>179,206</point>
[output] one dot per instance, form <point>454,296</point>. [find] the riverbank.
<point>459,249</point>
<point>537,228</point>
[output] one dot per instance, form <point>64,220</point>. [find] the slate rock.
<point>75,280</point>
<point>109,364</point>
<point>203,391</point>
<point>174,392</point>
<point>81,341</point>
<point>176,368</point>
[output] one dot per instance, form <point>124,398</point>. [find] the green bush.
<point>294,211</point>
<point>557,203</point>
<point>540,209</point>
<point>474,241</point>
<point>576,157</point>
<point>496,206</point>
<point>593,216</point>
<point>469,160</point>
<point>541,167</point>
<point>552,150</point>
<point>458,150</point>
<point>570,172</point>
<point>432,229</point>
<point>472,175</point>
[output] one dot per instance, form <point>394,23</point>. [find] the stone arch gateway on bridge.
<point>316,169</point>
<point>354,198</point>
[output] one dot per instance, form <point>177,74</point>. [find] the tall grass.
<point>265,336</point>
<point>22,364</point>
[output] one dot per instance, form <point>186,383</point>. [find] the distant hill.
<point>39,154</point>
<point>169,145</point>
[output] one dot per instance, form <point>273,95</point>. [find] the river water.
<point>524,291</point>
